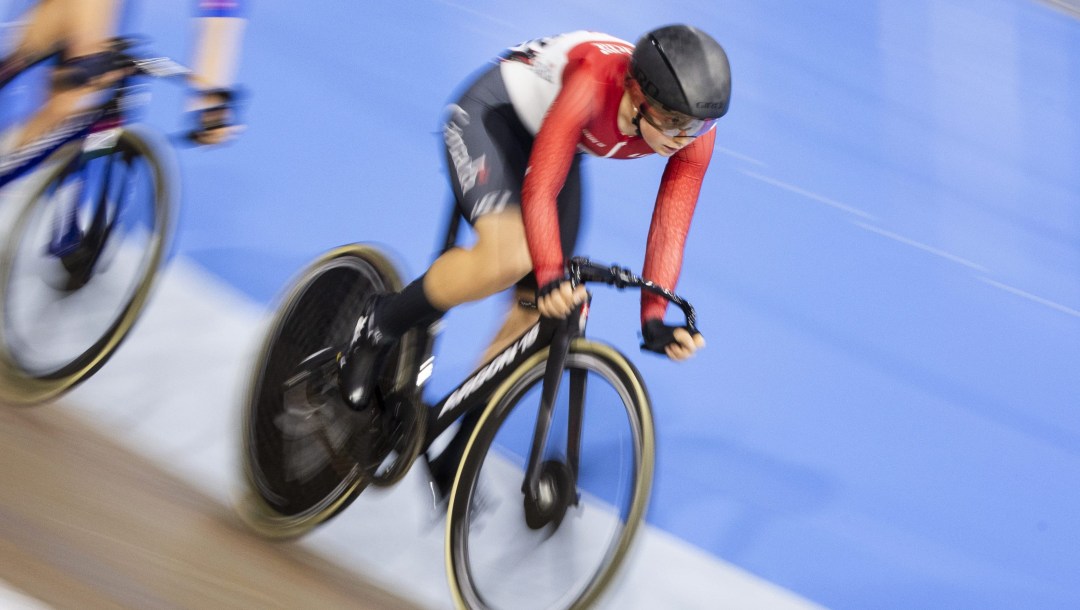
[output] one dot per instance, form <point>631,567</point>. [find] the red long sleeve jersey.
<point>567,90</point>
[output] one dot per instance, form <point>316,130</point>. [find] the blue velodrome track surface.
<point>885,261</point>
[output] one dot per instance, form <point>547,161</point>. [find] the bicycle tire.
<point>299,477</point>
<point>28,374</point>
<point>596,361</point>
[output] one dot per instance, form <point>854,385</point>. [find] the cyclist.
<point>81,30</point>
<point>514,142</point>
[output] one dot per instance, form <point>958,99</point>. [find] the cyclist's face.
<point>658,133</point>
<point>673,123</point>
<point>665,131</point>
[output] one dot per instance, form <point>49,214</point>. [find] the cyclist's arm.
<point>553,152</point>
<point>220,28</point>
<point>675,203</point>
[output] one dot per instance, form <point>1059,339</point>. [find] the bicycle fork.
<point>547,488</point>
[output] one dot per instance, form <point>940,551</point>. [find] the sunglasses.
<point>674,124</point>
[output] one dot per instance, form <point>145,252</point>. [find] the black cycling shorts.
<point>487,150</point>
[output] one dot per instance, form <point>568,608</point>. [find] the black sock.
<point>395,314</point>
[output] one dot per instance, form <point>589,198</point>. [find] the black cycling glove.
<point>656,335</point>
<point>77,72</point>
<point>223,113</point>
<point>551,287</point>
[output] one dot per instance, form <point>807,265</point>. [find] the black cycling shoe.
<point>364,359</point>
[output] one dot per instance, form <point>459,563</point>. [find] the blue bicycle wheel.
<point>80,261</point>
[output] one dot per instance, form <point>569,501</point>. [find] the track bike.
<point>556,475</point>
<point>96,211</point>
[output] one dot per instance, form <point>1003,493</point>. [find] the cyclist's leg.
<point>498,259</point>
<point>90,24</point>
<point>29,32</point>
<point>82,29</point>
<point>518,318</point>
<point>487,151</point>
<point>40,31</point>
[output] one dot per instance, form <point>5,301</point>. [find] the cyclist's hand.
<point>685,345</point>
<point>215,117</point>
<point>673,341</point>
<point>559,298</point>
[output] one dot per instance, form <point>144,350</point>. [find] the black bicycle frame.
<point>476,391</point>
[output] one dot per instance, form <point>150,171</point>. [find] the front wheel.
<point>79,263</point>
<point>559,548</point>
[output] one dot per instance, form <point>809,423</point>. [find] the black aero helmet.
<point>684,69</point>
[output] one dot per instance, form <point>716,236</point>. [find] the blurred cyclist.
<point>514,142</point>
<point>80,32</point>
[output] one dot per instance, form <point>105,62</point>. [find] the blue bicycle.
<point>95,213</point>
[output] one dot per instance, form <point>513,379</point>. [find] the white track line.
<point>805,193</point>
<point>921,246</point>
<point>1031,297</point>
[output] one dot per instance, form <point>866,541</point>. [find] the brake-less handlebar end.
<point>584,270</point>
<point>581,269</point>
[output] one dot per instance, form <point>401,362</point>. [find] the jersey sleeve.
<point>553,152</point>
<point>675,203</point>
